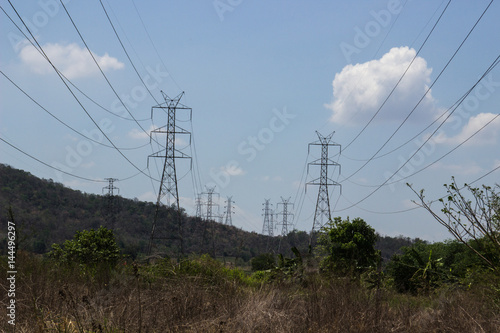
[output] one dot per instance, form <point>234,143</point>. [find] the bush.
<point>424,267</point>
<point>89,248</point>
<point>263,262</point>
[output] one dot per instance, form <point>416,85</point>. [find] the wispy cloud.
<point>233,170</point>
<point>71,59</point>
<point>487,136</point>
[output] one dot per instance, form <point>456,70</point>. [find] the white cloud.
<point>72,60</point>
<point>233,170</point>
<point>359,90</point>
<point>136,133</point>
<point>274,179</point>
<point>148,196</point>
<point>487,136</point>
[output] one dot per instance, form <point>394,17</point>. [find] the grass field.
<point>204,295</point>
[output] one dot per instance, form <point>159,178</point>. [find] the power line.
<point>381,213</point>
<point>400,79</point>
<point>125,50</point>
<point>425,94</point>
<point>425,142</point>
<point>100,69</point>
<point>50,166</point>
<point>62,122</point>
<point>455,107</point>
<point>153,44</point>
<point>68,80</point>
<point>73,94</point>
<point>417,207</point>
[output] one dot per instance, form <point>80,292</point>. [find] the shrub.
<point>89,248</point>
<point>263,262</point>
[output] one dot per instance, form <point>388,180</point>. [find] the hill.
<point>46,212</point>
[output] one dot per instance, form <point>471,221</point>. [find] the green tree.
<point>349,246</point>
<point>90,248</point>
<point>263,262</point>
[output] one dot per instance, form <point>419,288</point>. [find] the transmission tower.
<point>268,227</point>
<point>211,216</point>
<point>285,221</point>
<point>111,209</point>
<point>199,203</point>
<point>168,186</point>
<point>229,211</point>
<point>323,213</point>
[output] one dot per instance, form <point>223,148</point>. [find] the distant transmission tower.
<point>285,214</point>
<point>211,215</point>
<point>268,227</point>
<point>168,186</point>
<point>198,203</point>
<point>323,214</point>
<point>229,211</point>
<point>111,209</point>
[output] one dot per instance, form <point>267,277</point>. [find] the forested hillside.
<point>46,212</point>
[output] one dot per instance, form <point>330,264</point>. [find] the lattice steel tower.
<point>285,221</point>
<point>229,211</point>
<point>168,186</point>
<point>268,226</point>
<point>211,216</point>
<point>323,212</point>
<point>198,205</point>
<point>111,209</point>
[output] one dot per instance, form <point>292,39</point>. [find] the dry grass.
<point>55,300</point>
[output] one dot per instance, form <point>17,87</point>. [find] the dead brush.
<point>51,299</point>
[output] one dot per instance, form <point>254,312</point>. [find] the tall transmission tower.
<point>268,227</point>
<point>285,214</point>
<point>229,211</point>
<point>111,209</point>
<point>211,215</point>
<point>199,203</point>
<point>323,213</point>
<point>168,186</point>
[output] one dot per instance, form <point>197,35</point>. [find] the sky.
<point>262,78</point>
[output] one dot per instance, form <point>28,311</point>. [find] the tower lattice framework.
<point>268,226</point>
<point>323,213</point>
<point>211,215</point>
<point>229,211</point>
<point>285,214</point>
<point>168,185</point>
<point>111,209</point>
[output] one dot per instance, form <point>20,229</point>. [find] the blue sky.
<point>261,78</point>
